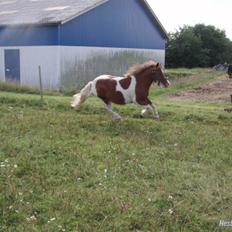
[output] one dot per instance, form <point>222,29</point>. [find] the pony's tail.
<point>81,97</point>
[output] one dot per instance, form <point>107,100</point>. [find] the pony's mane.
<point>139,68</point>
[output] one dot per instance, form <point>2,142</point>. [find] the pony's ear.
<point>158,65</point>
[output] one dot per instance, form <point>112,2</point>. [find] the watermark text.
<point>225,223</point>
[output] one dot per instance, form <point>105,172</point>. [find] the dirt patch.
<point>217,91</point>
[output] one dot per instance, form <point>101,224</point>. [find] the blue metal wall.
<point>117,23</point>
<point>28,35</point>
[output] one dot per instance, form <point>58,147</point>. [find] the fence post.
<point>40,84</point>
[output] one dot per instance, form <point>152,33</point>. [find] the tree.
<point>198,46</point>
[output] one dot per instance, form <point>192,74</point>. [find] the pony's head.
<point>158,75</point>
<point>151,70</point>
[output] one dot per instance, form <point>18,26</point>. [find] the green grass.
<point>17,88</point>
<point>185,73</point>
<point>67,170</point>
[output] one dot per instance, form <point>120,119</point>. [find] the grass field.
<point>66,170</point>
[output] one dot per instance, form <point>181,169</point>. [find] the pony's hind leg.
<point>115,115</point>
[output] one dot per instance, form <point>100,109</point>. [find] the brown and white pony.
<point>132,88</point>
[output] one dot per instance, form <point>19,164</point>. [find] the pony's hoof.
<point>117,118</point>
<point>157,118</point>
<point>73,106</point>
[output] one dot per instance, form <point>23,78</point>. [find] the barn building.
<point>75,40</point>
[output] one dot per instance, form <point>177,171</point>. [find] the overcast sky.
<point>175,14</point>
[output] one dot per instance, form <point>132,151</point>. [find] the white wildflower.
<point>170,211</point>
<point>32,218</point>
<point>170,197</point>
<point>15,166</point>
<point>51,220</point>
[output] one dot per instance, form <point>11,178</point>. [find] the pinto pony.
<point>132,88</point>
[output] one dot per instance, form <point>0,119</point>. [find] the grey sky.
<point>175,14</point>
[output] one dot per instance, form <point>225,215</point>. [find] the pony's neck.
<point>145,80</point>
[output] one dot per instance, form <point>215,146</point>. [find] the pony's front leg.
<point>150,108</point>
<point>115,115</point>
<point>154,111</point>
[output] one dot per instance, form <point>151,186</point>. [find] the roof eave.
<point>156,18</point>
<point>30,24</point>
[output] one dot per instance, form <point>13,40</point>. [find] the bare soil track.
<point>217,91</point>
